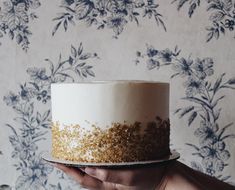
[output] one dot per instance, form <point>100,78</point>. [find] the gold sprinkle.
<point>118,143</point>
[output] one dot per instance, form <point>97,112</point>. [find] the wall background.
<point>191,46</point>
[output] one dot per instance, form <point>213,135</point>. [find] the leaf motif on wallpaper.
<point>32,124</point>
<point>113,14</point>
<point>15,17</point>
<point>222,15</point>
<point>203,94</point>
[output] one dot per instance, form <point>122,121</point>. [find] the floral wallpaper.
<point>222,15</point>
<point>202,99</point>
<point>111,14</point>
<point>15,18</point>
<point>187,43</point>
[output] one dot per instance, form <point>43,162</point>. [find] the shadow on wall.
<point>5,187</point>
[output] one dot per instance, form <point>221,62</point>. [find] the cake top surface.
<point>113,82</point>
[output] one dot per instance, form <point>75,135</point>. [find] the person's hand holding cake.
<point>117,124</point>
<point>146,178</point>
<point>172,176</point>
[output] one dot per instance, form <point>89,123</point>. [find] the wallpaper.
<point>189,44</point>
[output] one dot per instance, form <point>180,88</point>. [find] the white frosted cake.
<point>110,122</point>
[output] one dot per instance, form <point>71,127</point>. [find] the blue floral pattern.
<point>15,16</point>
<point>113,14</point>
<point>203,95</point>
<point>222,15</point>
<point>35,124</point>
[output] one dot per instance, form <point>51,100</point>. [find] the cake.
<point>110,121</point>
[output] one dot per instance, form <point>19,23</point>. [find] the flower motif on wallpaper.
<point>15,16</point>
<point>203,94</point>
<point>34,124</point>
<point>222,15</point>
<point>112,14</point>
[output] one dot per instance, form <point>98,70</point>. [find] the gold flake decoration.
<point>117,143</point>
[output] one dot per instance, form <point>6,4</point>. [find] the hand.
<point>173,176</point>
<point>92,178</point>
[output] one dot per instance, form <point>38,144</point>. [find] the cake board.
<point>173,156</point>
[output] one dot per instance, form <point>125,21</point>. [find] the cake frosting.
<point>112,121</point>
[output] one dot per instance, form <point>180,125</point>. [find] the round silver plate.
<point>47,157</point>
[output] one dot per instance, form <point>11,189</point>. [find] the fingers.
<point>90,182</point>
<point>108,175</point>
<point>98,178</point>
<point>75,173</point>
<point>82,178</point>
<point>128,177</point>
<point>113,186</point>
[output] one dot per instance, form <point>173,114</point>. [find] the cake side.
<point>117,143</point>
<point>110,122</point>
<point>105,103</point>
